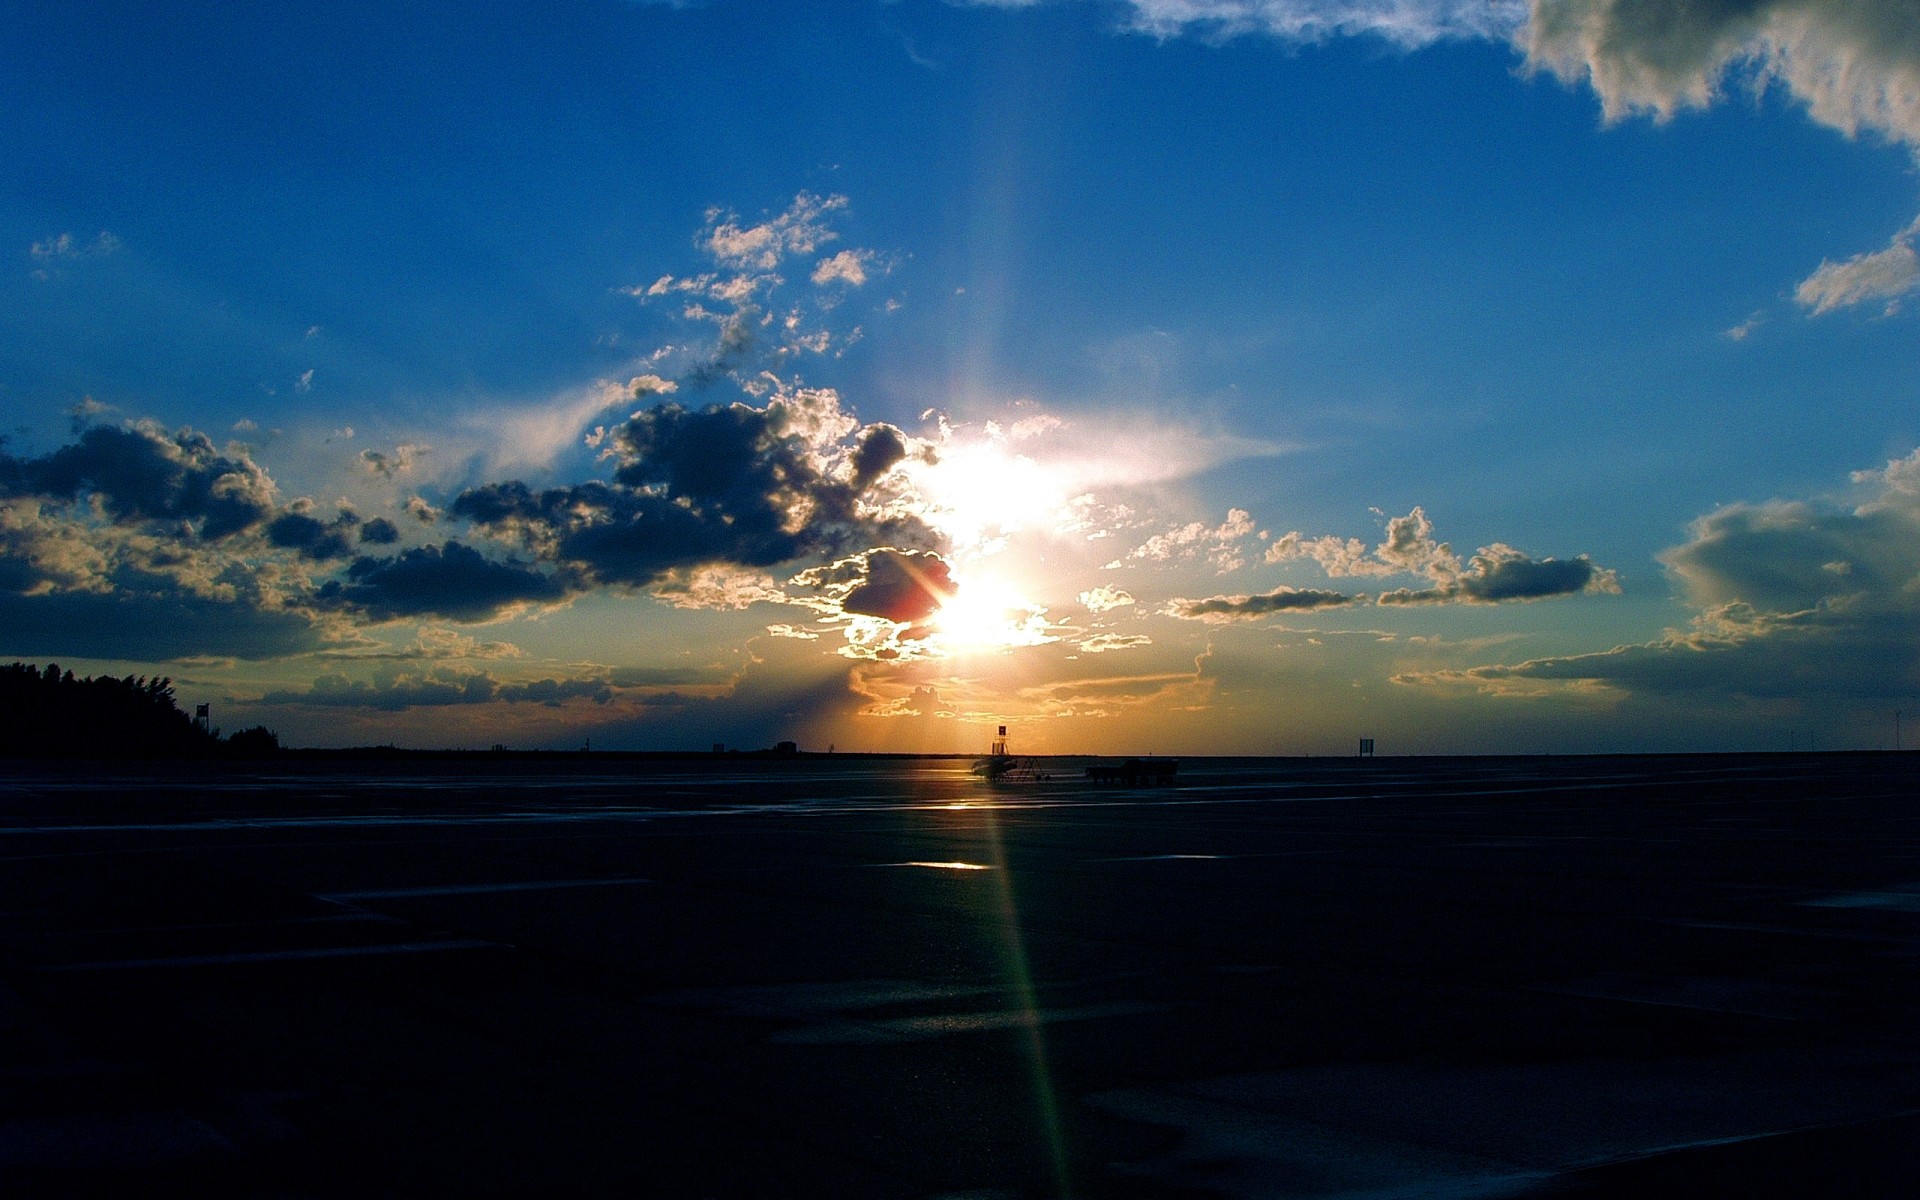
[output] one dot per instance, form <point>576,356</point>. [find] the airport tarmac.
<point>843,977</point>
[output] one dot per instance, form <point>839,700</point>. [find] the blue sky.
<point>1596,282</point>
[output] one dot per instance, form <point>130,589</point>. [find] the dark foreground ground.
<point>1598,977</point>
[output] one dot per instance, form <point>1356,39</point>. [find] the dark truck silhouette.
<point>1136,772</point>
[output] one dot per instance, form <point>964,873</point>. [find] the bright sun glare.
<point>980,492</point>
<point>987,613</point>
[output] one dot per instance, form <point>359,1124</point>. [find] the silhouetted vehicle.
<point>1137,772</point>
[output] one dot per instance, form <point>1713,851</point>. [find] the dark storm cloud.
<point>148,626</point>
<point>142,474</point>
<point>379,532</point>
<point>752,487</point>
<point>452,580</point>
<point>1280,600</point>
<point>1501,573</point>
<point>881,447</point>
<point>900,587</point>
<point>313,538</point>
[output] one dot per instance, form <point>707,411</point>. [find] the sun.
<point>980,492</point>
<point>986,613</point>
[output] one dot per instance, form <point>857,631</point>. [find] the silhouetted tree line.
<point>51,713</point>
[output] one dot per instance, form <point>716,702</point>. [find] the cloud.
<point>735,484</point>
<point>313,538</point>
<point>1219,543</point>
<point>1881,275</point>
<point>1102,643</point>
<point>1496,573</point>
<point>1284,599</point>
<point>150,624</point>
<point>1501,573</point>
<point>1105,599</point>
<point>881,447</point>
<point>139,473</point>
<point>452,580</point>
<point>721,588</point>
<point>849,267</point>
<point>1405,23</point>
<point>1853,64</point>
<point>801,229</point>
<point>902,587</point>
<point>1793,599</point>
<point>438,688</point>
<point>50,251</point>
<point>379,532</point>
<point>432,642</point>
<point>400,462</point>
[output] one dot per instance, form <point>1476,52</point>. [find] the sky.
<point>1148,376</point>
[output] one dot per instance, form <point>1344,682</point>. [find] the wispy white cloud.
<point>49,252</point>
<point>1886,274</point>
<point>1407,23</point>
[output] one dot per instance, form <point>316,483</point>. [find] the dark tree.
<point>52,714</point>
<point>255,741</point>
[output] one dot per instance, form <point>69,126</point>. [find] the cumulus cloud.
<point>1284,599</point>
<point>298,530</point>
<point>1794,599</point>
<point>379,532</point>
<point>1853,64</point>
<point>849,267</point>
<point>451,580</point>
<point>1105,599</point>
<point>1501,573</point>
<point>1220,544</point>
<point>902,587</point>
<point>801,229</point>
<point>139,473</point>
<point>734,484</point>
<point>1496,573</point>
